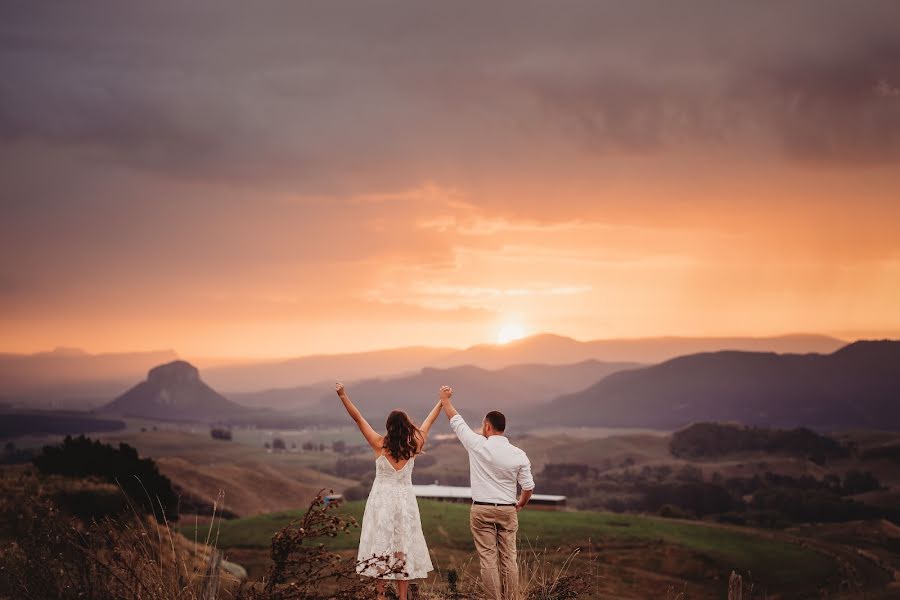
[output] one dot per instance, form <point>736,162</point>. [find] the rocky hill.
<point>174,392</point>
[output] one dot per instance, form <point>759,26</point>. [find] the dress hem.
<point>395,577</point>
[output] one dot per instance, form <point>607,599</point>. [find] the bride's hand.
<point>339,388</point>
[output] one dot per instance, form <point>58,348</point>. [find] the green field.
<point>446,526</point>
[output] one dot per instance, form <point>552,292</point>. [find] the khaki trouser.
<point>494,530</point>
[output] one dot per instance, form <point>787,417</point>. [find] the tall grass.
<point>128,556</point>
<point>137,556</point>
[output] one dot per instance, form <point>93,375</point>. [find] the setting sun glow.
<point>510,332</point>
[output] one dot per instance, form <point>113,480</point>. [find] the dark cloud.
<point>324,97</point>
<point>833,107</point>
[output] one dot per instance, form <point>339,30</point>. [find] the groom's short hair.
<point>497,420</point>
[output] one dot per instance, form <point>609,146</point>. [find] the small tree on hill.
<point>139,478</point>
<point>218,433</point>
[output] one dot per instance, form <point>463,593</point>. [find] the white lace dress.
<point>391,526</point>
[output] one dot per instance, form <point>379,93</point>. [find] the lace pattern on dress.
<point>392,527</point>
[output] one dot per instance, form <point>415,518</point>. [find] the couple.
<point>391,526</point>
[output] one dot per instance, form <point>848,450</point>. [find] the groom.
<point>495,466</point>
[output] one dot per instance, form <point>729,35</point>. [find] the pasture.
<point>630,548</point>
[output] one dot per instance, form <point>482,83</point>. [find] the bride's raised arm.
<point>429,421</point>
<point>370,434</point>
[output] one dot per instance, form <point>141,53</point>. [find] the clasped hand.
<point>446,393</point>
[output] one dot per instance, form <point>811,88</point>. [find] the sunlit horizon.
<point>273,198</point>
<point>488,340</point>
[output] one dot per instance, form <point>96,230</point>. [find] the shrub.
<point>671,511</point>
<point>126,557</point>
<point>857,482</point>
<point>219,433</point>
<point>353,468</point>
<point>301,570</point>
<point>707,440</point>
<point>138,477</point>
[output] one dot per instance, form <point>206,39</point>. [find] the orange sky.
<point>269,197</point>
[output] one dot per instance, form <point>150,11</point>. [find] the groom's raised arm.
<point>469,439</point>
<point>445,395</point>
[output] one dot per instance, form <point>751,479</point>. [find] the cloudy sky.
<point>263,179</point>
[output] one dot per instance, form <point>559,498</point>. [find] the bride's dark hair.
<point>403,440</point>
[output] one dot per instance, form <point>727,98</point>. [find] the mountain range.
<point>73,378</point>
<point>548,349</point>
<point>510,389</point>
<point>858,386</point>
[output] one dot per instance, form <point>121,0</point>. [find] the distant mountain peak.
<point>173,391</point>
<point>173,372</point>
<point>64,351</point>
<point>542,337</point>
<point>535,339</point>
<point>870,345</point>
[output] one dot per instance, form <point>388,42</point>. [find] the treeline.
<point>768,500</point>
<point>713,440</point>
<point>15,424</point>
<point>11,455</point>
<point>888,452</point>
<point>271,419</point>
<point>140,479</point>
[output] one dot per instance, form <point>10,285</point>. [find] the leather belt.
<point>480,503</point>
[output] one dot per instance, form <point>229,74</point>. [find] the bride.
<point>391,526</point>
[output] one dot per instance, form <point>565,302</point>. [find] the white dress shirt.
<point>495,465</point>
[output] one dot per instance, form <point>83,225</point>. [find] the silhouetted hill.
<point>715,440</point>
<point>72,378</point>
<point>305,370</point>
<point>512,389</point>
<point>557,349</point>
<point>546,349</point>
<point>66,365</point>
<point>303,397</point>
<point>174,392</point>
<point>856,386</point>
<point>476,390</point>
<point>18,423</point>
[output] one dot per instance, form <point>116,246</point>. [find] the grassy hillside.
<point>254,480</point>
<point>708,551</point>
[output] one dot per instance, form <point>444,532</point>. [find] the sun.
<point>510,332</point>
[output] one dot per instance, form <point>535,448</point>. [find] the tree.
<point>218,433</point>
<point>857,482</point>
<point>139,477</point>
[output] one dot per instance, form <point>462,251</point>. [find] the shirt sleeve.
<point>470,440</point>
<point>524,477</point>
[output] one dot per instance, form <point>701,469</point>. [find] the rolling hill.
<point>511,388</point>
<point>304,370</point>
<point>855,387</point>
<point>557,349</point>
<point>543,348</point>
<point>71,378</point>
<point>641,556</point>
